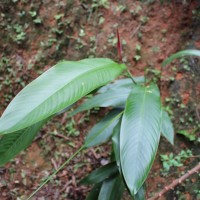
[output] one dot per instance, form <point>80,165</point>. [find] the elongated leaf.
<point>139,135</point>
<point>116,143</point>
<point>141,194</point>
<point>114,98</point>
<point>94,193</point>
<point>103,130</point>
<point>101,174</point>
<point>189,52</point>
<point>112,189</point>
<point>59,87</point>
<point>12,144</point>
<point>111,95</point>
<point>122,83</point>
<point>167,129</point>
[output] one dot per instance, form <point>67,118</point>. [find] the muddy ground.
<point>35,35</point>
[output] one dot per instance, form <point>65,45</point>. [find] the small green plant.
<point>71,130</point>
<point>190,135</point>
<point>36,19</point>
<point>138,48</point>
<point>4,63</point>
<point>33,13</point>
<point>134,124</point>
<point>19,35</point>
<point>58,16</point>
<point>100,3</point>
<point>144,20</point>
<point>171,160</point>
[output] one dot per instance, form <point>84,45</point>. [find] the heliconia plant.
<point>134,124</point>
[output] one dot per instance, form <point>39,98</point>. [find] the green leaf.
<point>141,194</point>
<point>94,193</point>
<point>59,87</point>
<point>122,83</point>
<point>115,98</point>
<point>139,135</point>
<point>189,135</point>
<point>114,95</point>
<point>116,143</point>
<point>167,127</point>
<point>104,129</point>
<point>12,144</point>
<point>189,52</point>
<point>101,174</point>
<point>112,189</point>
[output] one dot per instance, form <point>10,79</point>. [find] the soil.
<point>36,35</point>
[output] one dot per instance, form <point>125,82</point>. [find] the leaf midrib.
<point>99,68</point>
<point>142,114</point>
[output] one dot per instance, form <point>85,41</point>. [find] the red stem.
<point>119,46</point>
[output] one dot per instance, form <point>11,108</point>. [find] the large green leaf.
<point>167,129</point>
<point>113,98</point>
<point>139,135</point>
<point>112,189</point>
<point>103,129</point>
<point>114,95</point>
<point>101,174</point>
<point>12,144</point>
<point>189,52</point>
<point>59,87</point>
<point>122,83</point>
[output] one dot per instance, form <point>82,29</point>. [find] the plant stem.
<point>61,167</point>
<point>130,76</point>
<point>119,48</point>
<point>176,182</point>
<point>69,159</point>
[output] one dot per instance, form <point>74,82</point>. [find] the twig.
<point>94,153</point>
<point>65,186</point>
<point>61,136</point>
<point>63,118</point>
<point>136,30</point>
<point>176,182</point>
<point>119,46</point>
<point>54,164</point>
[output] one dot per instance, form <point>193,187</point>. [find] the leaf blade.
<point>100,174</point>
<point>189,52</point>
<point>103,130</point>
<point>94,193</point>
<point>167,129</point>
<point>111,95</point>
<point>140,134</point>
<point>141,194</point>
<point>107,99</point>
<point>70,81</point>
<point>116,144</point>
<point>122,83</point>
<point>12,144</point>
<point>112,189</point>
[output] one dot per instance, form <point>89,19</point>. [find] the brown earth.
<point>81,31</point>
